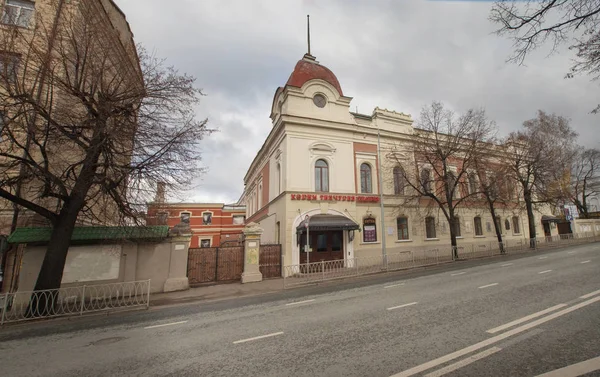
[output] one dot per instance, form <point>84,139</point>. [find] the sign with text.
<point>338,198</point>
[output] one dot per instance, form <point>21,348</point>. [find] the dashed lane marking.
<point>487,286</point>
<point>402,306</point>
<point>258,337</point>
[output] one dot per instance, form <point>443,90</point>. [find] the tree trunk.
<point>51,272</point>
<point>530,218</point>
<point>453,241</point>
<point>496,227</point>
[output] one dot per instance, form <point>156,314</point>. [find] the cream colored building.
<point>321,160</point>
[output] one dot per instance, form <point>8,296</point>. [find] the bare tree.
<point>88,129</point>
<point>532,23</point>
<point>535,156</point>
<point>444,148</point>
<point>584,180</point>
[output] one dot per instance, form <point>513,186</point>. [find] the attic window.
<point>319,100</point>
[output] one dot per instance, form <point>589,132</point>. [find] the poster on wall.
<point>369,230</point>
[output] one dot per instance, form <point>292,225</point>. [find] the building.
<point>212,224</point>
<point>320,163</point>
<point>46,24</point>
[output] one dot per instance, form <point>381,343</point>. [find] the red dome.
<point>306,70</point>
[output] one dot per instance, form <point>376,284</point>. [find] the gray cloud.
<point>399,55</point>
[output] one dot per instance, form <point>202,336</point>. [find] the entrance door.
<point>326,245</point>
<point>547,229</point>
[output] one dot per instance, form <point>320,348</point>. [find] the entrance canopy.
<point>327,222</point>
<point>550,219</point>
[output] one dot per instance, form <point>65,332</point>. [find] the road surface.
<point>500,317</point>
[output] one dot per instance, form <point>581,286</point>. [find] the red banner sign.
<point>338,198</point>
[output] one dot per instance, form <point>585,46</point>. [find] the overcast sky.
<point>395,54</point>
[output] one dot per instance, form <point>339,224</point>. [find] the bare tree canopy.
<point>531,24</point>
<point>445,148</point>
<point>539,158</point>
<point>89,127</point>
<point>584,182</point>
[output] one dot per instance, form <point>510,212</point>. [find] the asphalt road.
<point>499,317</point>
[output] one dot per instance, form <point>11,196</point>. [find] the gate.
<point>214,264</point>
<point>270,260</point>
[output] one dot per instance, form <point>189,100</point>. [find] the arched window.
<point>516,227</point>
<point>507,224</point>
<point>278,179</point>
<point>430,227</point>
<point>398,180</point>
<point>478,227</point>
<point>366,186</point>
<point>426,180</point>
<point>321,176</point>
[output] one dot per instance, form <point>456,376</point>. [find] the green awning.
<point>92,233</point>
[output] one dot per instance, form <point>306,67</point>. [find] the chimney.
<point>160,192</point>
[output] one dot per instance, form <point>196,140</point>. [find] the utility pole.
<point>380,173</point>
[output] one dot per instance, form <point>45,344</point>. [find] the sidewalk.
<point>217,292</point>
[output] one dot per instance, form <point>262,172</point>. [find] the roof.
<point>307,69</point>
<point>92,233</point>
<point>328,222</point>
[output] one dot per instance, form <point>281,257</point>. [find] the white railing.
<point>70,301</point>
<point>308,273</point>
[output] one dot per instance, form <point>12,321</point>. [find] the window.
<point>369,230</point>
<point>278,179</point>
<point>398,181</point>
<point>205,243</point>
<point>278,232</point>
<point>237,219</point>
<point>452,184</point>
<point>321,176</point>
<point>206,218</point>
<point>259,197</point>
<point>319,100</point>
<point>472,183</point>
<point>366,186</point>
<point>507,224</point>
<point>336,241</point>
<point>499,223</point>
<point>162,218</point>
<point>9,65</point>
<point>18,12</point>
<point>478,227</point>
<point>321,242</point>
<point>426,180</point>
<point>185,217</point>
<point>516,227</point>
<point>430,227</point>
<point>457,226</point>
<point>402,226</point>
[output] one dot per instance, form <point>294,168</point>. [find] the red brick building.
<point>212,224</point>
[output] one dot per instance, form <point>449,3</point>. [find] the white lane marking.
<point>574,370</point>
<point>544,272</point>
<point>495,339</point>
<point>585,261</point>
<point>299,302</point>
<point>590,294</point>
<point>507,264</point>
<point>489,285</point>
<point>258,337</point>
<point>525,319</point>
<point>542,257</point>
<point>458,273</point>
<point>393,285</point>
<point>464,362</point>
<point>165,324</point>
<point>402,306</point>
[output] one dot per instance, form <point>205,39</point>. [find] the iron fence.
<point>308,273</point>
<point>71,301</point>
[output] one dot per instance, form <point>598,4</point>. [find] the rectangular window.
<point>322,242</point>
<point>206,218</point>
<point>336,241</point>
<point>185,217</point>
<point>457,227</point>
<point>9,65</point>
<point>205,243</point>
<point>239,220</point>
<point>516,227</point>
<point>18,12</point>
<point>430,227</point>
<point>499,224</point>
<point>369,230</point>
<point>478,227</point>
<point>402,226</point>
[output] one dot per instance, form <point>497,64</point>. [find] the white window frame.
<point>205,239</point>
<point>18,5</point>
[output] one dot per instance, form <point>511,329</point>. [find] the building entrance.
<point>325,245</point>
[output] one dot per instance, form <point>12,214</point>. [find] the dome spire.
<point>308,55</point>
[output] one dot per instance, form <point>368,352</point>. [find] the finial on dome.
<point>308,55</point>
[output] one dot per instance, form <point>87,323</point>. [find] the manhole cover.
<point>105,341</point>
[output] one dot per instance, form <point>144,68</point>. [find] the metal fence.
<point>71,301</point>
<point>308,273</point>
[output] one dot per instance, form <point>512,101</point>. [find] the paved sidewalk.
<point>217,292</point>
